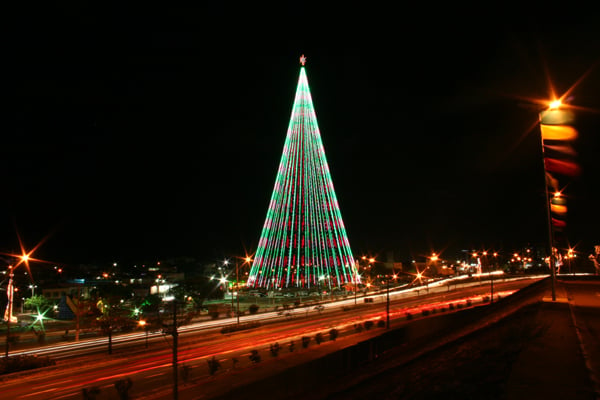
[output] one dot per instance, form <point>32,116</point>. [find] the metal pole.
<point>387,307</point>
<point>9,308</point>
<point>175,390</point>
<point>492,285</point>
<point>7,336</point>
<point>78,313</point>
<point>355,288</point>
<point>231,294</point>
<point>237,292</point>
<point>549,217</point>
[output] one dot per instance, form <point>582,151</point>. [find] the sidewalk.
<point>553,367</point>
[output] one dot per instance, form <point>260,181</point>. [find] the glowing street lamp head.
<point>555,104</point>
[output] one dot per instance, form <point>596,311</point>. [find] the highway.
<point>87,365</point>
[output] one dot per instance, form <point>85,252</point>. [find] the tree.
<point>38,302</point>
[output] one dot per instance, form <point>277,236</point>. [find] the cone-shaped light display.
<point>303,241</point>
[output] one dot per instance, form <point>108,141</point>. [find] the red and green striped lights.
<point>303,241</point>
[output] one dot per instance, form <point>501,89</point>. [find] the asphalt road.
<point>152,373</point>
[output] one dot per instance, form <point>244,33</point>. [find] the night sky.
<point>141,134</point>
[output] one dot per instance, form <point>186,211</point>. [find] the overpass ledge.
<point>558,300</point>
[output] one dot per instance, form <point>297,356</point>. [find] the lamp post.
<point>321,279</point>
<point>237,294</point>
<point>355,282</point>
<point>570,256</point>
<point>223,280</point>
<point>387,306</point>
<point>555,124</point>
<point>142,323</point>
<point>32,287</point>
<point>492,278</point>
<point>8,314</point>
<point>10,293</point>
<point>247,260</point>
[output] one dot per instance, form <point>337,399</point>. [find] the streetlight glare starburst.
<point>555,104</point>
<point>26,257</point>
<point>551,102</point>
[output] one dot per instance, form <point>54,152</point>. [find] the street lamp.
<point>10,292</point>
<point>321,279</point>
<point>32,287</point>
<point>247,260</point>
<point>223,280</point>
<point>143,324</point>
<point>492,278</point>
<point>387,307</point>
<point>555,125</point>
<point>570,256</point>
<point>355,281</point>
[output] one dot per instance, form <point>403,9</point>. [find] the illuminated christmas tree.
<point>303,241</point>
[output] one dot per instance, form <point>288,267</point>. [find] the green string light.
<point>303,238</point>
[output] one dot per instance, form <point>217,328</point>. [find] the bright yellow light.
<point>555,104</point>
<point>371,260</point>
<point>141,322</point>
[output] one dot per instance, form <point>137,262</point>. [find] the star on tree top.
<point>302,60</point>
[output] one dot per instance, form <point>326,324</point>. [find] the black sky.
<point>141,134</point>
